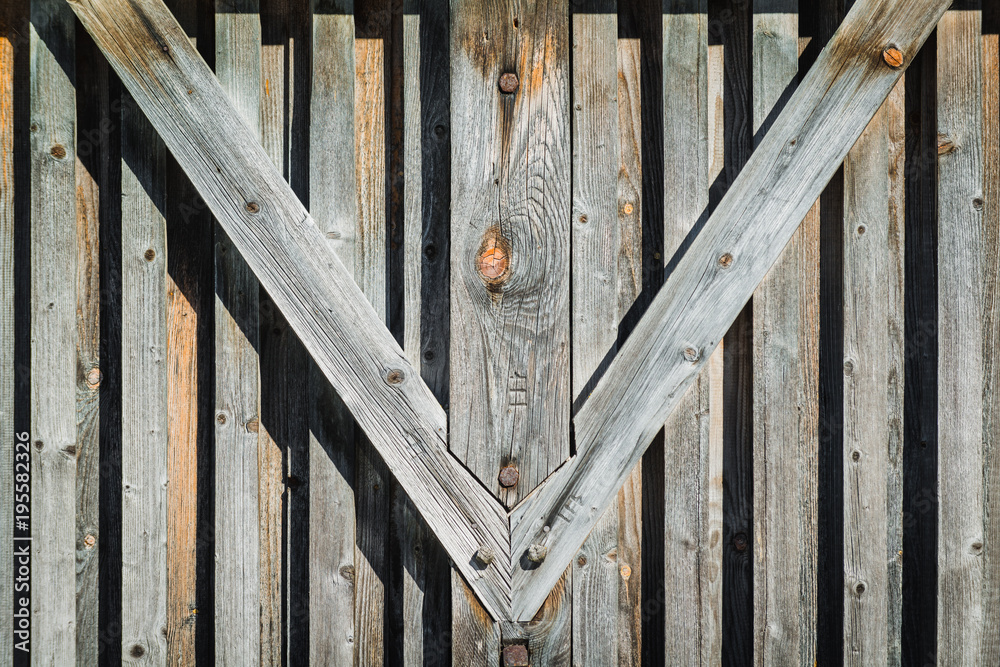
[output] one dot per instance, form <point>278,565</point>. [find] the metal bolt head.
<point>515,655</point>
<point>485,556</point>
<point>508,476</point>
<point>508,82</point>
<point>537,553</point>
<point>893,57</point>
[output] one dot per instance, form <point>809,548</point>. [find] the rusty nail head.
<point>395,376</point>
<point>515,655</point>
<point>893,57</point>
<point>508,82</point>
<point>508,476</point>
<point>537,553</point>
<point>485,555</point>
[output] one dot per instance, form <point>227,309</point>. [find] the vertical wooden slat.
<point>8,38</point>
<point>960,336</point>
<point>596,241</point>
<point>629,264</point>
<point>91,84</point>
<point>332,197</point>
<point>785,313</point>
<point>144,391</point>
<point>372,478</point>
<point>189,286</point>
<point>692,448</point>
<point>53,331</point>
<point>510,241</point>
<point>872,390</point>
<point>237,375</point>
<point>426,101</point>
<point>990,653</point>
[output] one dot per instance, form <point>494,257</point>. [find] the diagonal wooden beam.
<point>713,279</point>
<point>288,253</point>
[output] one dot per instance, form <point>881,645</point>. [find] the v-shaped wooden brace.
<point>703,294</point>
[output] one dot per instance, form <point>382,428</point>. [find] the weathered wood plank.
<point>426,190</point>
<point>8,39</point>
<point>790,166</point>
<point>871,289</point>
<point>990,653</point>
<point>596,241</point>
<point>691,577</point>
<point>237,370</point>
<point>629,258</point>
<point>274,232</point>
<point>960,328</point>
<point>785,401</point>
<point>510,241</point>
<point>144,390</point>
<point>332,199</point>
<point>91,87</point>
<point>53,331</point>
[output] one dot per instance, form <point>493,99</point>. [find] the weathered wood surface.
<point>333,201</point>
<point>990,651</point>
<point>237,369</point>
<point>820,123</point>
<point>960,328</point>
<point>872,316</point>
<point>596,241</point>
<point>9,38</point>
<point>144,390</point>
<point>53,331</point>
<point>270,226</point>
<point>510,236</point>
<point>692,439</point>
<point>785,379</point>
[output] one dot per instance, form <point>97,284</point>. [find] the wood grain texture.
<point>596,240</point>
<point>237,370</point>
<point>818,126</point>
<point>510,383</point>
<point>630,212</point>
<point>785,401</point>
<point>332,197</point>
<point>990,652</point>
<point>53,332</point>
<point>350,345</point>
<point>692,448</point>
<point>960,328</point>
<point>872,364</point>
<point>88,375</point>
<point>8,38</point>
<point>427,602</point>
<point>144,391</point>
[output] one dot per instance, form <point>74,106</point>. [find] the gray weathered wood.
<point>701,298</point>
<point>274,232</point>
<point>960,338</point>
<point>144,391</point>
<point>237,370</point>
<point>990,652</point>
<point>872,363</point>
<point>510,381</point>
<point>785,378</point>
<point>692,448</point>
<point>53,332</point>
<point>332,198</point>
<point>9,17</point>
<point>596,245</point>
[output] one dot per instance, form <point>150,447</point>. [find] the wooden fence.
<point>697,413</point>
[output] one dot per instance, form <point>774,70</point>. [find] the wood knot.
<point>94,377</point>
<point>893,57</point>
<point>149,255</point>
<point>691,354</point>
<point>508,82</point>
<point>626,572</point>
<point>740,542</point>
<point>58,151</point>
<point>493,259</point>
<point>726,261</point>
<point>945,145</point>
<point>89,541</point>
<point>394,377</point>
<point>253,207</point>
